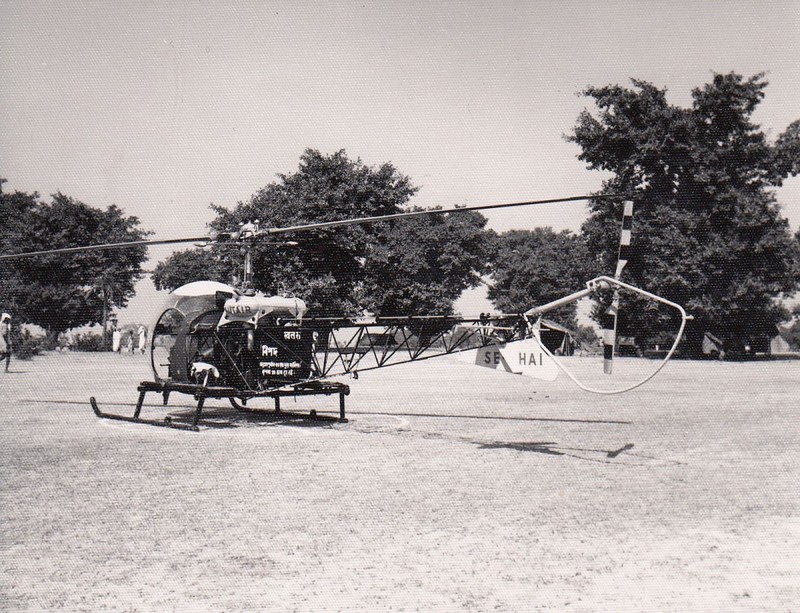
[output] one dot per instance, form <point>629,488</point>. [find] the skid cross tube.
<point>311,388</point>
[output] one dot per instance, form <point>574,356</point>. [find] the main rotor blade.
<point>124,245</point>
<point>298,228</point>
<point>482,207</point>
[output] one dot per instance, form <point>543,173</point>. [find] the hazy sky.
<point>163,108</point>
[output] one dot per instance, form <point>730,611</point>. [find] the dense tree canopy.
<point>797,255</point>
<point>535,267</point>
<point>62,291</point>
<point>411,266</point>
<point>191,265</point>
<point>421,265</point>
<point>708,232</point>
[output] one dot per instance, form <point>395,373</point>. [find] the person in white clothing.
<point>142,332</point>
<point>116,340</point>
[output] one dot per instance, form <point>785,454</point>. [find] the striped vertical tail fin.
<point>609,319</point>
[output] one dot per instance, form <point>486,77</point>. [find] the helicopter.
<point>229,341</point>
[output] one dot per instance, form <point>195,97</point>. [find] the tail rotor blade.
<point>625,239</point>
<point>609,320</point>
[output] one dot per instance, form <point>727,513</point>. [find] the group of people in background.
<point>132,344</point>
<point>136,340</point>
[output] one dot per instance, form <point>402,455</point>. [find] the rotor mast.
<point>247,233</point>
<point>247,278</point>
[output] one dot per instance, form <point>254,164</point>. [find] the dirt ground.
<point>451,488</point>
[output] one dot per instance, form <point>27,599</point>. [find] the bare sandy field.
<point>451,488</point>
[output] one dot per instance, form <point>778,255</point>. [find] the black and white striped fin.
<point>609,319</point>
<point>625,239</point>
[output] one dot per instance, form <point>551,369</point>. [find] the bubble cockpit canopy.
<point>183,306</point>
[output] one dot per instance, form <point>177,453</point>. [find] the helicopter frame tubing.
<point>390,341</point>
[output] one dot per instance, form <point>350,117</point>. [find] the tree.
<point>421,265</point>
<point>411,266</point>
<point>535,267</point>
<point>797,255</point>
<point>708,232</point>
<point>63,291</point>
<point>190,265</point>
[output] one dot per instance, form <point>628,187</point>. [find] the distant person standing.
<point>116,339</point>
<point>131,344</point>
<point>5,338</point>
<point>142,332</point>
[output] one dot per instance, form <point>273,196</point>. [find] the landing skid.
<point>237,399</point>
<point>167,423</point>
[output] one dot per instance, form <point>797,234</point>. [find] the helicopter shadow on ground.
<point>545,447</point>
<point>621,455</point>
<point>222,417</point>
<point>216,417</point>
<point>494,417</point>
<point>219,417</point>
<point>618,455</point>
<point>551,448</point>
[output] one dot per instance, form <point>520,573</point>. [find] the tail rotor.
<point>609,319</point>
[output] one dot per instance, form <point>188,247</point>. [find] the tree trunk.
<point>692,344</point>
<point>51,339</point>
<point>105,317</point>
